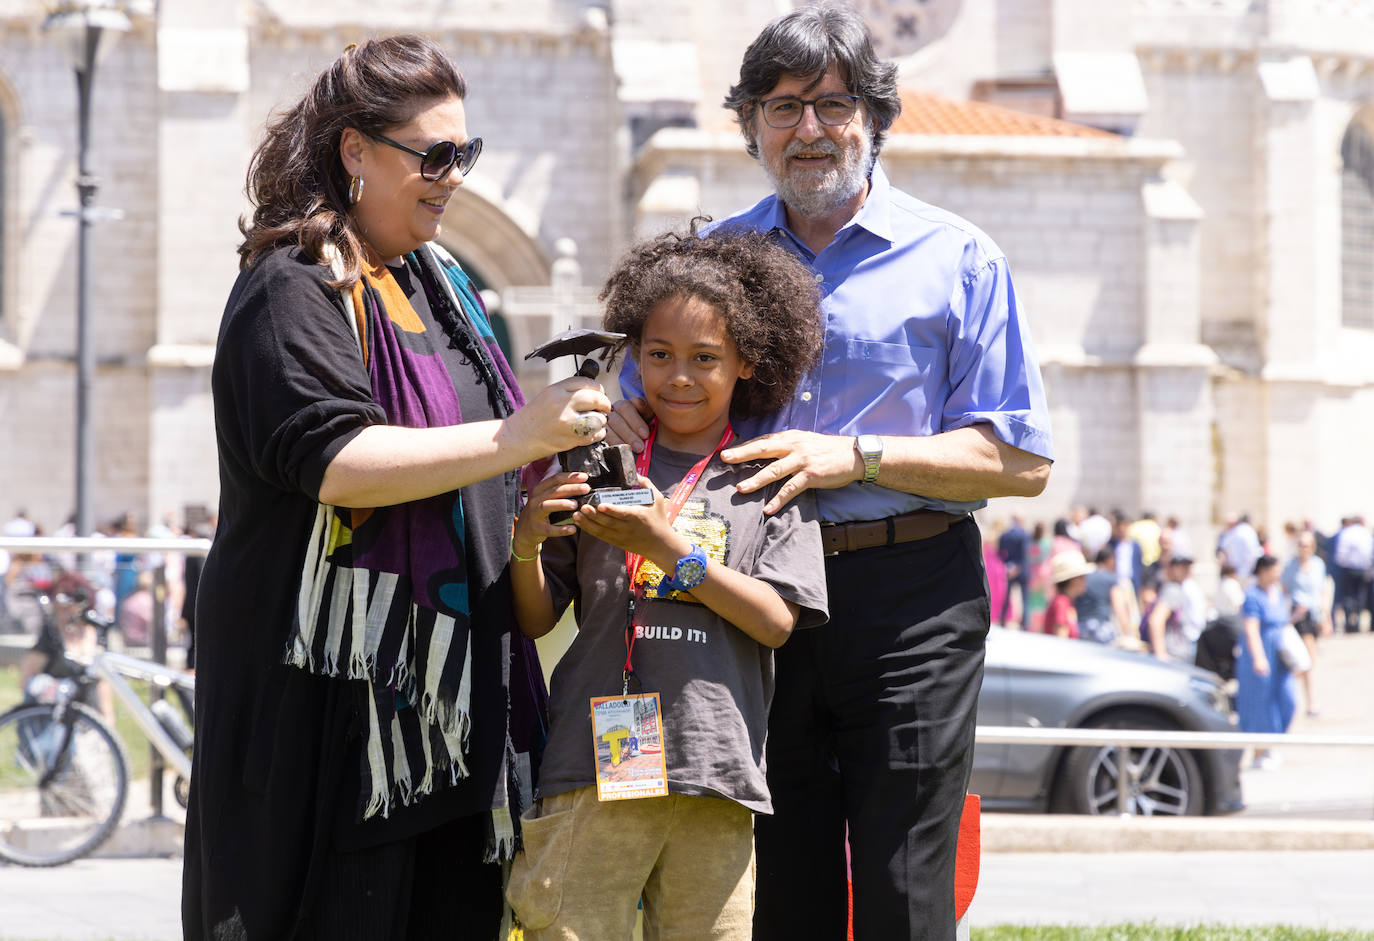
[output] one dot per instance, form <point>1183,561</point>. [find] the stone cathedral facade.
<point>1185,189</point>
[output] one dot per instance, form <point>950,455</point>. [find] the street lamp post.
<point>83,23</point>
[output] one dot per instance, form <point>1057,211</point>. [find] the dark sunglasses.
<point>436,162</point>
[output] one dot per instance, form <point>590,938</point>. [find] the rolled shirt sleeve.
<point>289,381</point>
<point>993,376</point>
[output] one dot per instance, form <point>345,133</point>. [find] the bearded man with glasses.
<point>927,403</point>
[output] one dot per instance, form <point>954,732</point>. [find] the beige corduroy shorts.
<point>586,865</point>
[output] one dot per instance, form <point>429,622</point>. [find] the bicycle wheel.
<point>62,784</point>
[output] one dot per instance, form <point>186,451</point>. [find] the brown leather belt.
<point>866,534</point>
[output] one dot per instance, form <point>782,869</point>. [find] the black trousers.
<point>1022,581</point>
<point>431,886</point>
<point>872,726</point>
<point>1350,595</point>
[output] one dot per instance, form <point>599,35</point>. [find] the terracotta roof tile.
<point>930,114</point>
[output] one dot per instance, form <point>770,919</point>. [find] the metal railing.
<point>1131,738</point>
<point>89,544</point>
<point>157,629</point>
<point>986,734</point>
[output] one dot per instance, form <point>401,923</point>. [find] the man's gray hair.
<point>807,42</point>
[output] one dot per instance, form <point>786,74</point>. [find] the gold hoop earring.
<point>355,190</point>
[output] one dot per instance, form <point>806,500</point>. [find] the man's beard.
<point>811,194</point>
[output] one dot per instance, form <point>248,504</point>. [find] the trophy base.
<point>610,496</point>
<point>615,496</point>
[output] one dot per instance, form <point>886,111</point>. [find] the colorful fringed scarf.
<point>384,593</point>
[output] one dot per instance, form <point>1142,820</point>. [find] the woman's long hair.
<point>296,179</point>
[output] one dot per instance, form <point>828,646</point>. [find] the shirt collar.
<point>777,215</point>
<point>874,216</point>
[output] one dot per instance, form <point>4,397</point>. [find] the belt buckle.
<point>832,527</point>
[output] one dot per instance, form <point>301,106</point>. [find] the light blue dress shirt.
<point>1306,584</point>
<point>923,334</point>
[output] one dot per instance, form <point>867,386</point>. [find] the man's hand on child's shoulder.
<point>807,460</point>
<point>628,423</point>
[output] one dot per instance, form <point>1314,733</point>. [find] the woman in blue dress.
<point>1266,696</point>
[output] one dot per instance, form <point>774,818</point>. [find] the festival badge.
<point>627,735</point>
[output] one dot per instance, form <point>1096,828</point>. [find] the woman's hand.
<point>1261,664</point>
<point>556,493</point>
<point>643,530</point>
<point>551,422</point>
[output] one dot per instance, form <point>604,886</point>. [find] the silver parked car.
<point>1039,681</point>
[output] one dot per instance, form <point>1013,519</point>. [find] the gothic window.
<point>1357,222</point>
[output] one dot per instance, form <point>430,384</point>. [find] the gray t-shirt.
<point>715,681</point>
<point>1095,604</point>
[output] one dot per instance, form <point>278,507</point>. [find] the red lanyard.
<point>675,504</point>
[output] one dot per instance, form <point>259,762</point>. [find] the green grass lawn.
<point>9,687</point>
<point>1126,932</point>
<point>1153,932</point>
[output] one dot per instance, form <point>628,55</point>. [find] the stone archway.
<point>499,253</point>
<point>482,232</point>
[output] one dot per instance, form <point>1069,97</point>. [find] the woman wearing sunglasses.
<point>365,714</point>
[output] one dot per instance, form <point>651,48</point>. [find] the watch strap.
<point>689,572</point>
<point>872,459</point>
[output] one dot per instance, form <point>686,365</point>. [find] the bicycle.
<point>64,771</point>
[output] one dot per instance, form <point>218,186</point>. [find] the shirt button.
<point>819,277</point>
<point>806,396</point>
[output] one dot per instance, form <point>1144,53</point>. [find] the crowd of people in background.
<point>122,582</point>
<point>1104,578</point>
<point>1133,583</point>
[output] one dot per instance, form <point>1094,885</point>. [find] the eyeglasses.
<point>787,110</point>
<point>436,162</point>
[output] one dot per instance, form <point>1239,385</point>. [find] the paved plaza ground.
<point>127,899</point>
<point>1274,863</point>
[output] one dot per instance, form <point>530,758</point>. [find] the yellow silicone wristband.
<point>521,558</point>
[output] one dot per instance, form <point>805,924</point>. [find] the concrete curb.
<point>147,838</point>
<point>1067,833</point>
<point>1001,833</point>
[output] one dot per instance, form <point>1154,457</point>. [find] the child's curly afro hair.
<point>767,296</point>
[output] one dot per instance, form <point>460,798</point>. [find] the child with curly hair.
<point>679,606</point>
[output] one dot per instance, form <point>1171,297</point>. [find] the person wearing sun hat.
<point>1068,569</point>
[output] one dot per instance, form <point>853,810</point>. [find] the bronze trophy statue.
<point>610,468</point>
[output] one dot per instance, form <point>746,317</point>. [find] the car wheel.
<point>1161,781</point>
